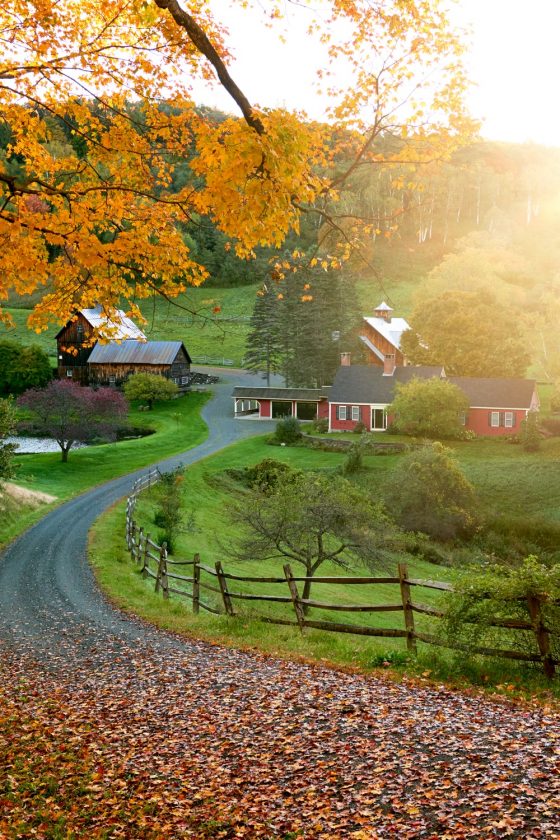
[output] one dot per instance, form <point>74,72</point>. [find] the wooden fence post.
<point>407,608</point>
<point>161,577</point>
<point>224,590</point>
<point>144,560</point>
<point>196,585</point>
<point>131,536</point>
<point>298,609</point>
<point>139,546</point>
<point>542,635</point>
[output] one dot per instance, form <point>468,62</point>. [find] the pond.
<point>33,445</point>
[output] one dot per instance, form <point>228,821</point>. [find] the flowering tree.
<point>70,414</point>
<point>89,212</point>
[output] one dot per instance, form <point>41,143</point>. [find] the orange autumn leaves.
<point>89,142</point>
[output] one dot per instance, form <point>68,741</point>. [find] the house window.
<point>463,418</point>
<point>175,379</point>
<point>495,419</point>
<point>184,380</point>
<point>341,412</point>
<point>508,419</point>
<point>356,413</point>
<point>69,373</point>
<point>112,379</point>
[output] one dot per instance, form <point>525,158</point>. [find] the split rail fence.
<point>171,576</point>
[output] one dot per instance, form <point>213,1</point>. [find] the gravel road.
<point>240,745</point>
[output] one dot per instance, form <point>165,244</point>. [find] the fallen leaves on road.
<point>226,744</point>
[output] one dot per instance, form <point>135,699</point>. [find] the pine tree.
<point>264,346</point>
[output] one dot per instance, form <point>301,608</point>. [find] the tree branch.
<point>201,41</point>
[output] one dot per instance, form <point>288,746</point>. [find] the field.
<point>177,426</point>
<point>192,319</point>
<point>503,476</point>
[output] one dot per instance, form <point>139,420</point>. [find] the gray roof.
<point>133,352</point>
<point>367,383</point>
<point>496,393</point>
<point>262,393</point>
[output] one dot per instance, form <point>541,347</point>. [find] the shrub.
<point>321,425</point>
<point>267,473</point>
<point>288,430</point>
<point>359,428</point>
<point>485,595</point>
<point>168,514</point>
<point>427,492</point>
<point>529,435</point>
<point>353,461</point>
<point>429,408</point>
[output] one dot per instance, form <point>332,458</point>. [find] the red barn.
<point>381,336</point>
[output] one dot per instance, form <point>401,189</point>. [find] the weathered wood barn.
<point>112,363</point>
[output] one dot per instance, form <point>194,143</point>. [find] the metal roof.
<point>391,330</point>
<point>133,352</point>
<point>262,393</point>
<point>120,327</point>
<point>383,307</point>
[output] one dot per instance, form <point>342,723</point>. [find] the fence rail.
<point>155,564</point>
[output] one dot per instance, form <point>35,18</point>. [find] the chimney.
<point>346,359</point>
<point>389,364</point>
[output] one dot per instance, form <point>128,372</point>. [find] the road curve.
<point>48,596</point>
<point>234,744</point>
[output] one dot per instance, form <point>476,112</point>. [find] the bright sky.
<point>514,63</point>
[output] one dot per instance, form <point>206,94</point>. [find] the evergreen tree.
<point>264,345</point>
<point>319,316</point>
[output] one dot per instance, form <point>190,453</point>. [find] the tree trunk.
<point>65,450</point>
<point>306,590</point>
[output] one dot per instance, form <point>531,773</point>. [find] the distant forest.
<point>488,219</point>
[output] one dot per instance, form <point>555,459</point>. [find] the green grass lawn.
<point>209,532</point>
<point>177,424</point>
<point>193,320</point>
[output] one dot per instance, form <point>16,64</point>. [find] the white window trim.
<point>341,412</point>
<point>495,416</point>
<point>356,414</point>
<point>509,419</point>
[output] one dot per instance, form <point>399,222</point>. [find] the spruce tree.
<point>264,347</point>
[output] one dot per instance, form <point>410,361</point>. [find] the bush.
<point>485,595</point>
<point>427,492</point>
<point>288,430</point>
<point>359,428</point>
<point>529,435</point>
<point>353,461</point>
<point>267,473</point>
<point>429,408</point>
<point>321,425</point>
<point>168,514</point>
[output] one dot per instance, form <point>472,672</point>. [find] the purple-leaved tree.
<point>71,414</point>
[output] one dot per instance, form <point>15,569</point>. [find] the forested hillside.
<point>487,220</point>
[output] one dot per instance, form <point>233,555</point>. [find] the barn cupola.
<point>383,311</point>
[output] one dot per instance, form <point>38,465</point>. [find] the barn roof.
<point>263,393</point>
<point>368,384</point>
<point>121,327</point>
<point>496,393</point>
<point>133,352</point>
<point>391,330</point>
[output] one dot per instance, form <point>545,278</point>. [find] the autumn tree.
<point>310,519</point>
<point>430,408</point>
<point>7,428</point>
<point>427,492</point>
<point>90,209</point>
<point>71,414</point>
<point>469,333</point>
<point>149,388</point>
